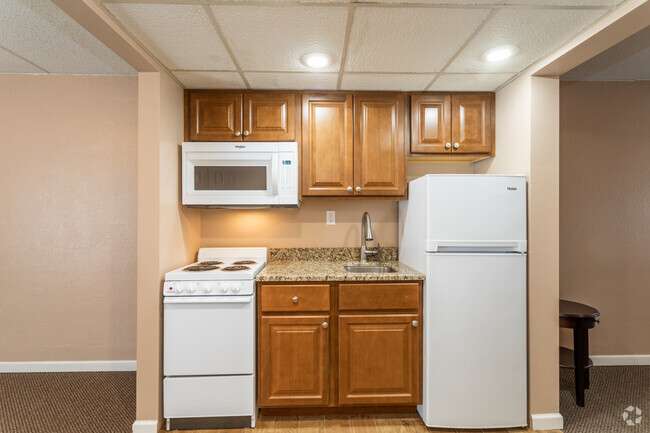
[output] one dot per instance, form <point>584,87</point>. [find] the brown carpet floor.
<point>67,402</point>
<point>612,391</point>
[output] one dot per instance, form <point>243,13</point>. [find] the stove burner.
<point>244,262</point>
<point>200,268</point>
<point>210,263</point>
<point>235,268</point>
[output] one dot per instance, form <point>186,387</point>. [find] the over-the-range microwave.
<point>240,174</point>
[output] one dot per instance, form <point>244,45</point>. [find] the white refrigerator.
<point>467,234</point>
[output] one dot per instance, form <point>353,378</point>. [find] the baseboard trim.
<point>145,426</point>
<point>612,360</point>
<point>546,421</point>
<point>65,366</point>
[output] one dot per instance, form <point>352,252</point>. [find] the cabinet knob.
<point>349,189</point>
<point>325,325</point>
<point>247,133</point>
<point>358,189</point>
<point>237,134</point>
<point>448,146</point>
<point>295,299</point>
<point>456,145</point>
<point>415,323</point>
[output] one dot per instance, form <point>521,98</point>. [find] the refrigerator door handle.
<point>514,246</point>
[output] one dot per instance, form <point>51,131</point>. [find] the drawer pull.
<point>325,325</point>
<point>415,323</point>
<point>295,299</point>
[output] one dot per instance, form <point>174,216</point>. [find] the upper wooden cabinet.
<point>379,145</point>
<point>353,145</point>
<point>327,158</point>
<point>215,115</point>
<point>458,123</point>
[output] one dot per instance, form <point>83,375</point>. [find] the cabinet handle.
<point>456,145</point>
<point>246,133</point>
<point>295,299</point>
<point>415,323</point>
<point>349,189</point>
<point>237,134</point>
<point>325,325</point>
<point>358,189</point>
<point>448,146</point>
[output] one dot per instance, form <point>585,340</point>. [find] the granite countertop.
<point>312,267</point>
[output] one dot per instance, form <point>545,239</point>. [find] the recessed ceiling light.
<point>316,60</point>
<point>500,53</point>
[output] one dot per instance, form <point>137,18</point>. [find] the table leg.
<point>579,339</point>
<point>586,344</point>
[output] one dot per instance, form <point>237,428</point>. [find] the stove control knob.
<point>190,289</point>
<point>207,289</point>
<point>223,289</point>
<point>236,289</point>
<point>179,288</point>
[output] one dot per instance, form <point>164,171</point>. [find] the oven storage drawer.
<point>208,396</point>
<point>209,335</point>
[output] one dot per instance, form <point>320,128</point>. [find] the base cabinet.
<point>379,359</point>
<point>330,344</point>
<point>295,367</point>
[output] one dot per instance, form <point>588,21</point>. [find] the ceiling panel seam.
<point>363,5</point>
<point>224,41</point>
<point>346,43</point>
<point>24,59</point>
<point>462,47</point>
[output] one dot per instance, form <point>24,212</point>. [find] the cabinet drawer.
<point>394,296</point>
<point>308,297</point>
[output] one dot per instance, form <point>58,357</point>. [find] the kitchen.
<point>164,223</point>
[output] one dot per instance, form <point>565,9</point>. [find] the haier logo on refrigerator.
<point>511,188</point>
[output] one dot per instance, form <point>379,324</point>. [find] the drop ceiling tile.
<point>408,39</point>
<point>292,80</point>
<point>536,32</point>
<point>565,2</point>
<point>469,82</point>
<point>180,36</point>
<point>210,80</point>
<point>437,2</point>
<point>271,38</point>
<point>11,64</point>
<point>397,82</point>
<point>42,33</point>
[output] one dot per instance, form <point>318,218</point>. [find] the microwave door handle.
<point>275,168</point>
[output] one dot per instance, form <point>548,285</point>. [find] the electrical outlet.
<point>331,217</point>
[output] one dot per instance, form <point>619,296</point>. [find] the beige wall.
<point>305,227</point>
<point>168,233</point>
<point>68,220</point>
<point>604,210</point>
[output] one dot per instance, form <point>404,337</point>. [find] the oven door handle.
<point>208,300</point>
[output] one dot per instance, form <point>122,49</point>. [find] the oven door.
<point>229,174</point>
<point>209,335</point>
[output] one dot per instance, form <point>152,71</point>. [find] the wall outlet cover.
<point>331,217</point>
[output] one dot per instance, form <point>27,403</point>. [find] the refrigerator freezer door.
<point>475,341</point>
<point>474,211</point>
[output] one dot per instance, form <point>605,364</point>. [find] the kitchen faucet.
<point>366,235</point>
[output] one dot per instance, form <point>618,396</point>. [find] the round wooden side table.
<point>581,318</point>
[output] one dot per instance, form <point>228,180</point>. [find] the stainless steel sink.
<point>374,269</point>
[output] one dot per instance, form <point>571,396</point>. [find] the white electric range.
<point>209,340</point>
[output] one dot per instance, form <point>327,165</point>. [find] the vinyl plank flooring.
<point>362,424</point>
<point>311,424</point>
<point>337,424</point>
<point>286,424</point>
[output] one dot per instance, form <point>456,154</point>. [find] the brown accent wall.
<point>68,176</point>
<point>605,209</point>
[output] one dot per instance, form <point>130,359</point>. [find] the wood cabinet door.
<point>379,359</point>
<point>431,123</point>
<point>215,116</point>
<point>379,145</point>
<point>472,122</point>
<point>269,116</point>
<point>327,158</point>
<point>293,361</point>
